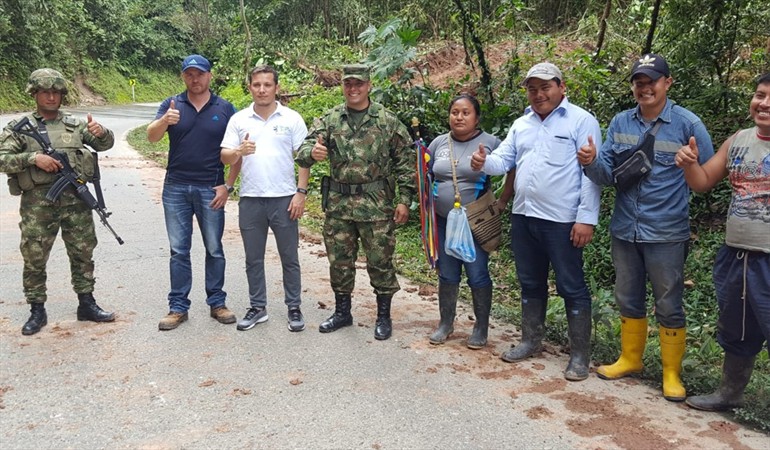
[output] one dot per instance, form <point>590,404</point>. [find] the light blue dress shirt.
<point>549,182</point>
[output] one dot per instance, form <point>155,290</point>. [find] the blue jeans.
<point>538,244</point>
<point>663,264</point>
<point>180,203</point>
<point>450,268</point>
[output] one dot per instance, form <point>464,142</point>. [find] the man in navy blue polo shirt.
<point>195,186</point>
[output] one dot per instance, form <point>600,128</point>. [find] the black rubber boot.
<point>341,317</point>
<point>37,319</point>
<point>532,331</point>
<point>482,305</point>
<point>736,373</point>
<point>580,327</point>
<point>89,310</point>
<point>447,308</point>
<point>384,326</point>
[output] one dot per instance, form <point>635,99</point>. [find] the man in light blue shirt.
<point>555,209</point>
<point>650,222</point>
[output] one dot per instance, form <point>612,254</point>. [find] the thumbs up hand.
<point>479,158</point>
<point>172,114</point>
<point>247,147</point>
<point>319,151</point>
<point>94,127</point>
<point>687,154</point>
<point>587,153</point>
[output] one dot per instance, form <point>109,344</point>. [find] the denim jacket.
<point>657,208</point>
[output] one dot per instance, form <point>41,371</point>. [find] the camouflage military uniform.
<point>40,218</point>
<point>377,150</point>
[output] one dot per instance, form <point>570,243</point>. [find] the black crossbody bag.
<point>636,162</point>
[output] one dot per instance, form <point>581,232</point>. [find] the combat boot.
<point>482,305</point>
<point>579,344</point>
<point>447,308</point>
<point>37,319</point>
<point>341,317</point>
<point>384,326</point>
<point>532,331</point>
<point>89,310</point>
<point>736,373</point>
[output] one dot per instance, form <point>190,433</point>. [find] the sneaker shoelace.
<point>295,315</point>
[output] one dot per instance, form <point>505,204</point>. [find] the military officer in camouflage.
<point>31,174</point>
<point>370,154</point>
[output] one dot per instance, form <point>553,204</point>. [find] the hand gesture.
<point>687,154</point>
<point>587,153</point>
<point>319,151</point>
<point>172,114</point>
<point>93,126</point>
<point>479,158</point>
<point>247,147</point>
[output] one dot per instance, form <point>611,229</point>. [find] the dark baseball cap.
<point>196,62</point>
<point>652,65</point>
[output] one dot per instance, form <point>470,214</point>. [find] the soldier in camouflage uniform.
<point>370,153</point>
<point>31,174</point>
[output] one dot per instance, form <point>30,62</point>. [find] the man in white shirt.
<point>263,138</point>
<point>555,209</point>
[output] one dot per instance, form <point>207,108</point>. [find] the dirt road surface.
<point>206,385</point>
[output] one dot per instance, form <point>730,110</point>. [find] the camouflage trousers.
<point>378,240</point>
<point>40,223</point>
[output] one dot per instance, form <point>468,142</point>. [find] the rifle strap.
<point>43,132</point>
<point>96,181</point>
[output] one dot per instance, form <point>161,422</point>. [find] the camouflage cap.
<point>357,71</point>
<point>46,79</point>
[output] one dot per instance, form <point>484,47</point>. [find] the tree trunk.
<point>653,26</point>
<point>602,29</point>
<point>486,75</point>
<point>247,31</point>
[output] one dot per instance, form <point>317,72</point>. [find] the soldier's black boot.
<point>89,310</point>
<point>341,317</point>
<point>447,307</point>
<point>384,327</point>
<point>579,344</point>
<point>37,319</point>
<point>482,305</point>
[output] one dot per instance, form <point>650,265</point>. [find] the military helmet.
<point>46,79</point>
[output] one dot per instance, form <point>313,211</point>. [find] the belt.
<point>358,189</point>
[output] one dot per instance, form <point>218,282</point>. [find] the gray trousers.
<point>256,215</point>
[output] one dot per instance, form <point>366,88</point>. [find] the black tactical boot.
<point>579,345</point>
<point>89,310</point>
<point>532,331</point>
<point>482,305</point>
<point>736,373</point>
<point>447,308</point>
<point>37,319</point>
<point>341,317</point>
<point>384,327</point>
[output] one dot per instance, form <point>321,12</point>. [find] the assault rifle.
<point>67,176</point>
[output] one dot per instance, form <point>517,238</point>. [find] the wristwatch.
<point>229,188</point>
<point>302,191</point>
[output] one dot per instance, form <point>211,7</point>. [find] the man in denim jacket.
<point>650,222</point>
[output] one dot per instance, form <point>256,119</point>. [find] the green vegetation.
<point>714,56</point>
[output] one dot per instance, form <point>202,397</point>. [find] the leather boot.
<point>341,317</point>
<point>482,305</point>
<point>532,331</point>
<point>580,327</point>
<point>672,345</point>
<point>384,326</point>
<point>633,337</point>
<point>736,373</point>
<point>89,310</point>
<point>447,308</point>
<point>37,319</point>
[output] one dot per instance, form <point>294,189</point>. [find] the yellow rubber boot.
<point>672,343</point>
<point>633,337</point>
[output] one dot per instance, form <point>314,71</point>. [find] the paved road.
<point>206,385</point>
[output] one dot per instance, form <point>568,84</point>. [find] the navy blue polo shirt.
<point>193,156</point>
